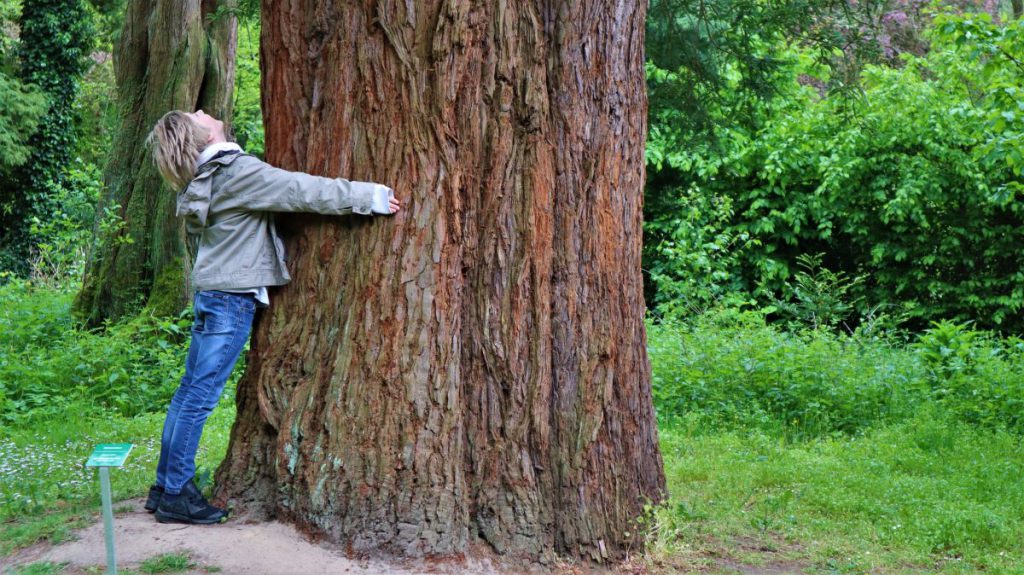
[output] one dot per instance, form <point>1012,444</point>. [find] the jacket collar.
<point>214,150</point>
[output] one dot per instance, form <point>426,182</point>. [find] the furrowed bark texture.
<point>474,367</point>
<point>171,56</point>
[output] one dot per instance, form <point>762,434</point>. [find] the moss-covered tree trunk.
<point>55,39</point>
<point>475,367</point>
<point>171,55</point>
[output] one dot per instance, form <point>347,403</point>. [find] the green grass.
<point>929,494</point>
<point>167,563</point>
<point>45,492</point>
<point>925,495</point>
<point>44,568</point>
<point>791,452</point>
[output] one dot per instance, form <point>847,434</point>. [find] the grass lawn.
<point>925,495</point>
<point>45,491</point>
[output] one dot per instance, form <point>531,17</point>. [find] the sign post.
<point>105,456</point>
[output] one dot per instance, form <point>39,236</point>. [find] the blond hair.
<point>176,142</point>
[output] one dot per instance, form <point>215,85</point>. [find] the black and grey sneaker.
<point>155,492</point>
<point>189,506</point>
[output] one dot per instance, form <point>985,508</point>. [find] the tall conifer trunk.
<point>172,54</point>
<point>475,367</point>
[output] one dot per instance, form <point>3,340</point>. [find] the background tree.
<point>476,366</point>
<point>51,55</point>
<point>850,133</point>
<point>21,108</point>
<point>172,54</point>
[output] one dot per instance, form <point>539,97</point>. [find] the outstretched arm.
<point>259,186</point>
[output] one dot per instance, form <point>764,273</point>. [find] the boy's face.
<point>213,125</point>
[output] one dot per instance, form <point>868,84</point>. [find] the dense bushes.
<point>733,369</point>
<point>55,38</point>
<point>910,186</point>
<point>48,366</point>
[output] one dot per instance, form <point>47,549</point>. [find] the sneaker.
<point>189,506</point>
<point>155,492</point>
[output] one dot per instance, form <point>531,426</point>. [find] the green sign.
<point>109,455</point>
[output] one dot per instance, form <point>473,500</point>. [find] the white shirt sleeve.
<point>381,196</point>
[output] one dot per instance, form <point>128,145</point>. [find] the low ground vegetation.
<point>798,449</point>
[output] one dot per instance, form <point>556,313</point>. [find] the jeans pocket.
<point>214,312</point>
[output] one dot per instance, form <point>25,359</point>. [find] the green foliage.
<point>907,186</point>
<point>21,108</point>
<point>55,40</point>
<point>949,347</point>
<point>974,376</point>
<point>989,59</point>
<point>62,239</point>
<point>732,369</point>
<point>820,297</point>
<point>96,105</point>
<point>9,12</point>
<point>735,370</point>
<point>96,110</point>
<point>698,256</point>
<point>725,55</point>
<point>247,121</point>
<point>47,364</point>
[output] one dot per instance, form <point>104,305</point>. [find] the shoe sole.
<point>175,518</point>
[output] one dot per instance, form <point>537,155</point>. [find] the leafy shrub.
<point>974,375</point>
<point>61,240</point>
<point>698,260</point>
<point>820,297</point>
<point>47,364</point>
<point>55,38</point>
<point>740,371</point>
<point>732,369</point>
<point>910,185</point>
<point>21,108</point>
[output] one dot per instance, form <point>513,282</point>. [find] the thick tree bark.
<point>171,55</point>
<point>474,367</point>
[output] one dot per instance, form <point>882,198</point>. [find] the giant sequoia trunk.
<point>474,367</point>
<point>171,55</point>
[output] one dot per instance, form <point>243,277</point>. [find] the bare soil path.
<point>236,547</point>
<point>239,547</point>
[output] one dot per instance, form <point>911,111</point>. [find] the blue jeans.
<point>222,325</point>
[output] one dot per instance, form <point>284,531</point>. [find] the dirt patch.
<point>740,555</point>
<point>245,548</point>
<point>234,548</point>
<point>770,555</point>
<point>783,568</point>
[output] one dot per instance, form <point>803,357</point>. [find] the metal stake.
<point>108,519</point>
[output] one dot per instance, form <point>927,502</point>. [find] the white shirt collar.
<point>213,149</point>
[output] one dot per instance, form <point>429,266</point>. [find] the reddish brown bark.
<point>474,367</point>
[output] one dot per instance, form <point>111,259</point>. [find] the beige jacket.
<point>229,208</point>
